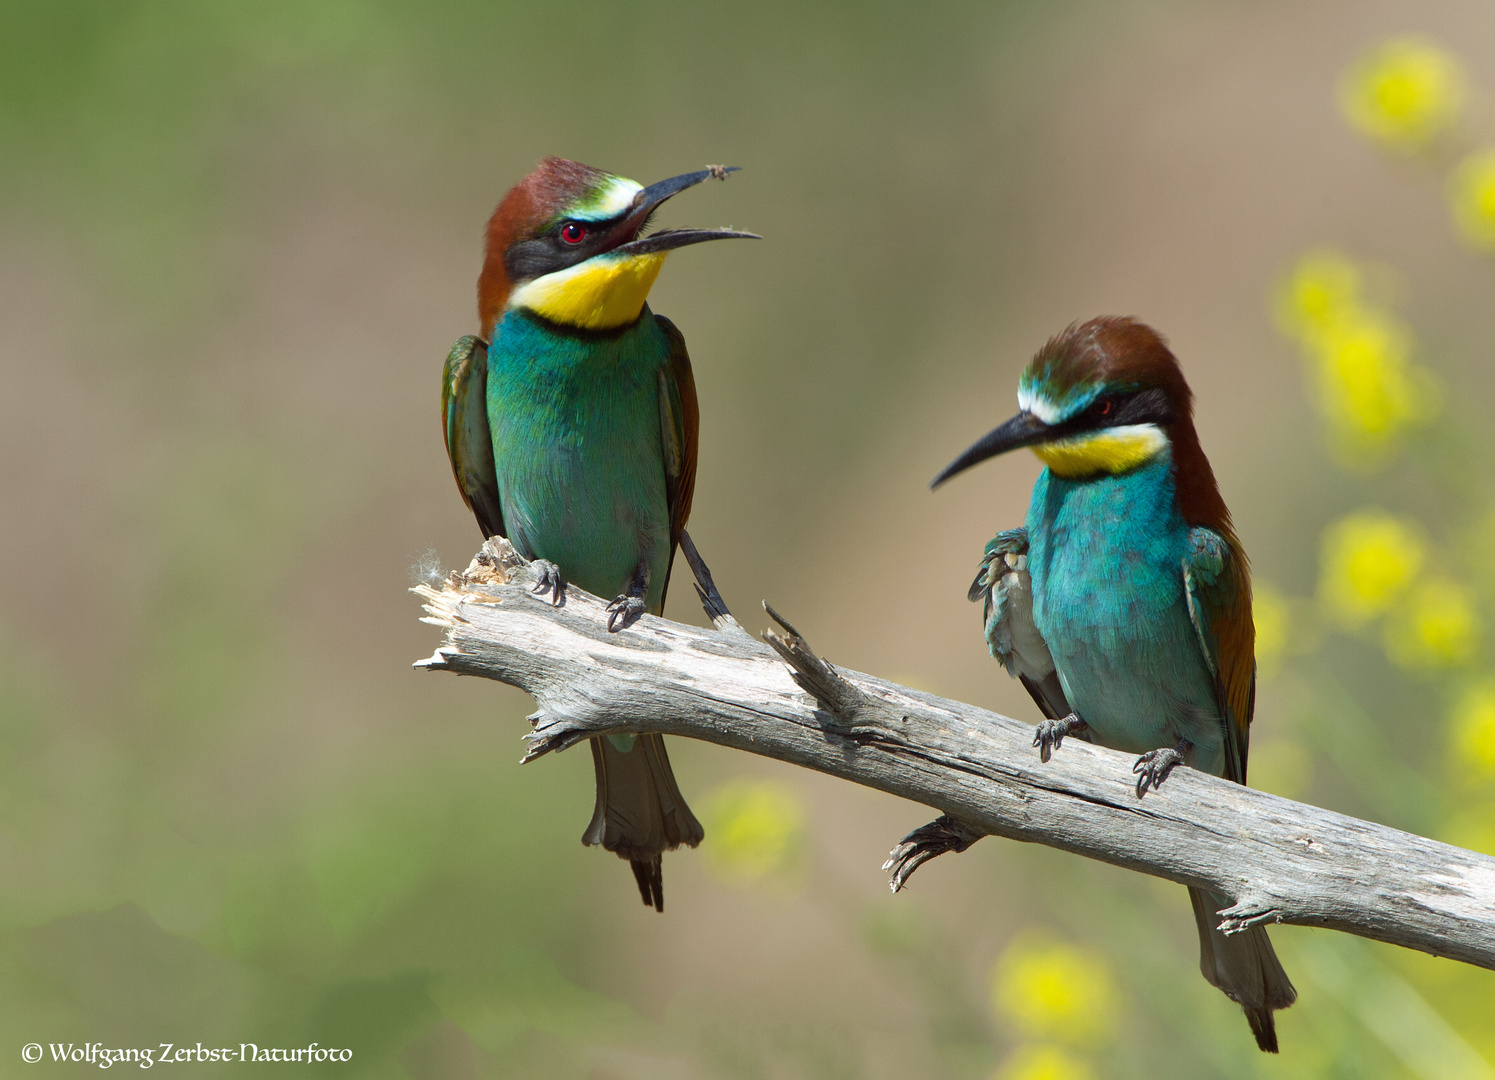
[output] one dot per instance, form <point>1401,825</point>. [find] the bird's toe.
<point>1050,734</point>
<point>1153,767</point>
<point>1048,737</point>
<point>623,611</point>
<point>548,580</point>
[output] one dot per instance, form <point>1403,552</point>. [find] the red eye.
<point>1105,407</point>
<point>573,233</point>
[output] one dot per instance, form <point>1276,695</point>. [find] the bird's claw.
<point>1153,767</point>
<point>622,611</point>
<point>943,834</point>
<point>1050,734</point>
<point>548,579</point>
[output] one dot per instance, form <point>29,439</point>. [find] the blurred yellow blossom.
<point>1043,1063</point>
<point>1359,358</point>
<point>757,829</point>
<point>1436,626</point>
<point>1473,732</point>
<point>1321,287</point>
<point>1050,989</point>
<point>1403,93</point>
<point>1368,559</point>
<point>1367,388</point>
<point>1471,195</point>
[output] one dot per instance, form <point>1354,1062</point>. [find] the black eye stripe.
<point>1123,408</point>
<point>551,251</point>
<point>1149,406</point>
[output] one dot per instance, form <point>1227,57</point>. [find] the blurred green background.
<point>236,240</point>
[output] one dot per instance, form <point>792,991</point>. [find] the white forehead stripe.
<point>1040,407</point>
<point>617,198</point>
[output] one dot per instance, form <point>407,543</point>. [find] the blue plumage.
<point>1106,557</point>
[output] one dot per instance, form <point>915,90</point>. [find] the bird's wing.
<point>1218,587</point>
<point>464,420</point>
<point>1011,634</point>
<point>680,430</point>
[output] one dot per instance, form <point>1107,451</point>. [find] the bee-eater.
<point>571,425</point>
<point>1124,604</point>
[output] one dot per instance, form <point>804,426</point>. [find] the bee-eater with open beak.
<point>1124,604</point>
<point>571,425</point>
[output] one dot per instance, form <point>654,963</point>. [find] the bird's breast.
<point>1105,556</point>
<point>577,450</point>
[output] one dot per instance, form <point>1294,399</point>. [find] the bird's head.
<point>566,244</point>
<point>1103,397</point>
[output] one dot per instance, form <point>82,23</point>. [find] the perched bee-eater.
<point>571,424</point>
<point>1124,604</point>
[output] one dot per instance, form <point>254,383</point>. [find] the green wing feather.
<point>679,429</point>
<point>1219,594</point>
<point>464,418</point>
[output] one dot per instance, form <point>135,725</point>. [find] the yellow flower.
<point>1403,93</point>
<point>1043,1063</point>
<point>1437,626</point>
<point>1368,560</point>
<point>1359,358</point>
<point>1471,194</point>
<point>1367,389</point>
<point>1049,989</point>
<point>1321,287</point>
<point>1473,732</point>
<point>1270,612</point>
<point>756,829</point>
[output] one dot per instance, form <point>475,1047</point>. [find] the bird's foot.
<point>941,835</point>
<point>1050,734</point>
<point>622,611</point>
<point>1153,767</point>
<point>548,579</point>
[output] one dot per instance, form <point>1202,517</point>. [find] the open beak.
<point>1024,429</point>
<point>649,199</point>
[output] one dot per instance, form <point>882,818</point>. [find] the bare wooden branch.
<point>1280,861</point>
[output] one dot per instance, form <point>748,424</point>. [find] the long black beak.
<point>655,194</point>
<point>649,199</point>
<point>1024,429</point>
<point>667,239</point>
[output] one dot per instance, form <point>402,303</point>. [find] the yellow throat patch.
<point>1112,450</point>
<point>601,293</point>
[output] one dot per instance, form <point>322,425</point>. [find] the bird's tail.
<point>1243,966</point>
<point>640,812</point>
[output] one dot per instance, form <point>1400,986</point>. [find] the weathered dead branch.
<point>1280,860</point>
